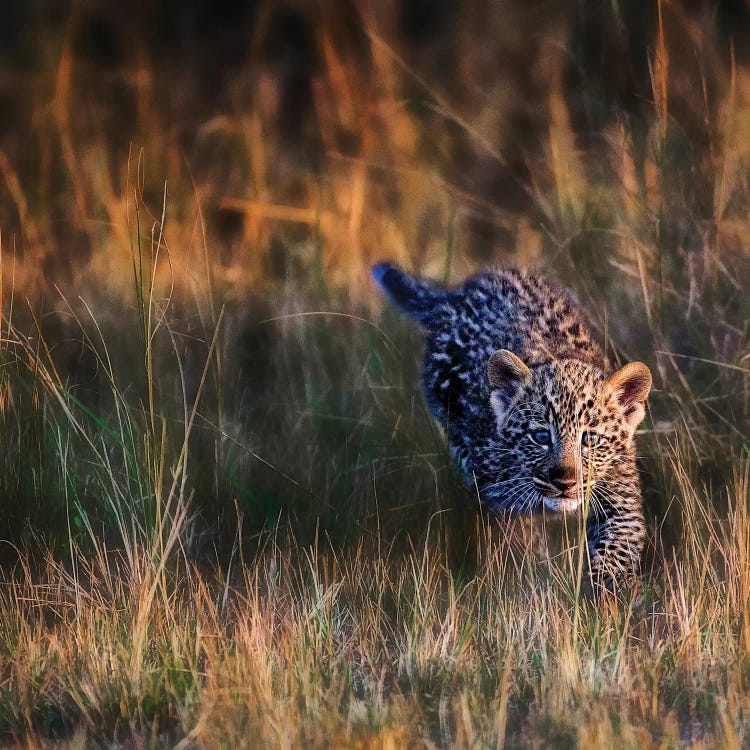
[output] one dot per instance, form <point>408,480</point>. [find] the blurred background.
<point>368,129</point>
<point>173,169</point>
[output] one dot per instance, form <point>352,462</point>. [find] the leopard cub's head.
<point>563,431</point>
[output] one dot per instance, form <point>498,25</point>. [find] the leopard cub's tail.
<point>420,299</point>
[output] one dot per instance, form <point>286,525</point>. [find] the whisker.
<point>509,500</point>
<point>533,498</point>
<point>501,483</point>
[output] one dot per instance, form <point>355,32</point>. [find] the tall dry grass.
<point>304,646</point>
<point>230,521</point>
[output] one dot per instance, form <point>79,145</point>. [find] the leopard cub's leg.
<point>616,536</point>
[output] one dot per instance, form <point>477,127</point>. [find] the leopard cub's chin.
<point>562,504</point>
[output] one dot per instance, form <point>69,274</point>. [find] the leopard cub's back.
<point>505,309</point>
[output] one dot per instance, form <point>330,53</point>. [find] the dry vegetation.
<point>229,519</point>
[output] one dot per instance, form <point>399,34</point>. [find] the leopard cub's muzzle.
<point>561,488</point>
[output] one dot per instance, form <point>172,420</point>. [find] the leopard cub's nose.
<point>563,477</point>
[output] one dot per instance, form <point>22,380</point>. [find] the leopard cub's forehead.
<point>565,389</point>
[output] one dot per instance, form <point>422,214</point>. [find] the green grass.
<point>230,520</point>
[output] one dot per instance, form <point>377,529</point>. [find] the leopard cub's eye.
<point>541,437</point>
<point>589,438</point>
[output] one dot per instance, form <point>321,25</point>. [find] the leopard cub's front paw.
<point>624,587</point>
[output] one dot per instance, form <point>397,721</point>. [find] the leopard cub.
<point>512,374</point>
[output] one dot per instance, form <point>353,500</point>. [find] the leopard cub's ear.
<point>507,375</point>
<point>630,387</point>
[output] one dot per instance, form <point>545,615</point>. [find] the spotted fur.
<point>513,375</point>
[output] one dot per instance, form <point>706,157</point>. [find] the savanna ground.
<point>229,521</point>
